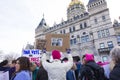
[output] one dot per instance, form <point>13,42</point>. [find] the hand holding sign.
<point>68,51</point>
<point>44,50</point>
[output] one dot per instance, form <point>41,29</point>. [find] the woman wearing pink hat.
<point>57,70</point>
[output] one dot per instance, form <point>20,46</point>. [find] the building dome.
<point>73,2</point>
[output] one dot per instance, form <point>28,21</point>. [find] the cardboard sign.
<point>4,76</point>
<point>57,41</point>
<point>40,44</point>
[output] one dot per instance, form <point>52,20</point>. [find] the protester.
<point>77,62</point>
<point>57,70</point>
<point>22,69</point>
<point>70,75</point>
<point>4,66</point>
<point>115,56</point>
<point>34,69</point>
<point>12,68</point>
<point>42,73</point>
<point>91,70</point>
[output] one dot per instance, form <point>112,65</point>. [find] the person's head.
<point>13,63</point>
<point>56,54</point>
<point>83,59</point>
<point>4,63</point>
<point>115,54</point>
<point>22,63</point>
<point>32,66</point>
<point>89,57</point>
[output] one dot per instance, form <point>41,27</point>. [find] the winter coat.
<point>115,73</point>
<point>22,75</point>
<point>85,74</point>
<point>57,70</point>
<point>42,74</point>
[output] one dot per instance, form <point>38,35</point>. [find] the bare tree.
<point>11,56</point>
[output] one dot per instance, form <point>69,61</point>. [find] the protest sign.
<point>4,75</point>
<point>32,54</point>
<point>57,41</point>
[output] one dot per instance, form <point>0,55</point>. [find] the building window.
<point>99,34</point>
<point>75,41</point>
<point>85,24</point>
<point>103,33</point>
<point>95,20</point>
<point>110,44</point>
<point>103,18</point>
<point>118,38</point>
<point>81,27</point>
<point>73,28</point>
<point>107,32</point>
<point>61,31</point>
<point>102,45</point>
<point>71,41</point>
<point>64,31</point>
<point>70,30</point>
<point>85,38</point>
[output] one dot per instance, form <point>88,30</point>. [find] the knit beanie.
<point>89,57</point>
<point>56,54</point>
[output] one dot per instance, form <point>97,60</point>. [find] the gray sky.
<point>19,18</point>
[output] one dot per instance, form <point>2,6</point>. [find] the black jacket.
<point>42,74</point>
<point>85,73</point>
<point>115,73</point>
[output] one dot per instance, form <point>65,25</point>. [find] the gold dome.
<point>75,2</point>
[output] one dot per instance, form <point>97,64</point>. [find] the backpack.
<point>95,73</point>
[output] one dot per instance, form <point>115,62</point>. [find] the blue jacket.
<point>23,75</point>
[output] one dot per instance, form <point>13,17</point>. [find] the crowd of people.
<point>67,68</point>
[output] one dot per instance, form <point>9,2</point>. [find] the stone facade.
<point>91,31</point>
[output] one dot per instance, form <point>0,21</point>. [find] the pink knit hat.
<point>89,57</point>
<point>56,54</point>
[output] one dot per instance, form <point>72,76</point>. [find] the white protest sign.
<point>33,55</point>
<point>4,76</point>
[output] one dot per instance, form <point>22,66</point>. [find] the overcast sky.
<point>19,18</point>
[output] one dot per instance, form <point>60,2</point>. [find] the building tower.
<point>40,29</point>
<point>101,25</point>
<point>75,8</point>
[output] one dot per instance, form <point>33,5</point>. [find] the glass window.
<point>107,32</point>
<point>85,38</point>
<point>118,38</point>
<point>102,45</point>
<point>70,30</point>
<point>61,31</point>
<point>64,31</point>
<point>95,20</point>
<point>75,41</point>
<point>103,18</point>
<point>73,28</point>
<point>110,44</point>
<point>71,41</point>
<point>81,26</point>
<point>103,33</point>
<point>85,24</point>
<point>99,34</point>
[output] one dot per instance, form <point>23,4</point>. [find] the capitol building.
<point>91,30</point>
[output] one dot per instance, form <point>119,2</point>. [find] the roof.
<point>42,23</point>
<point>91,1</point>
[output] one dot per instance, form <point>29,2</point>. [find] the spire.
<point>42,22</point>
